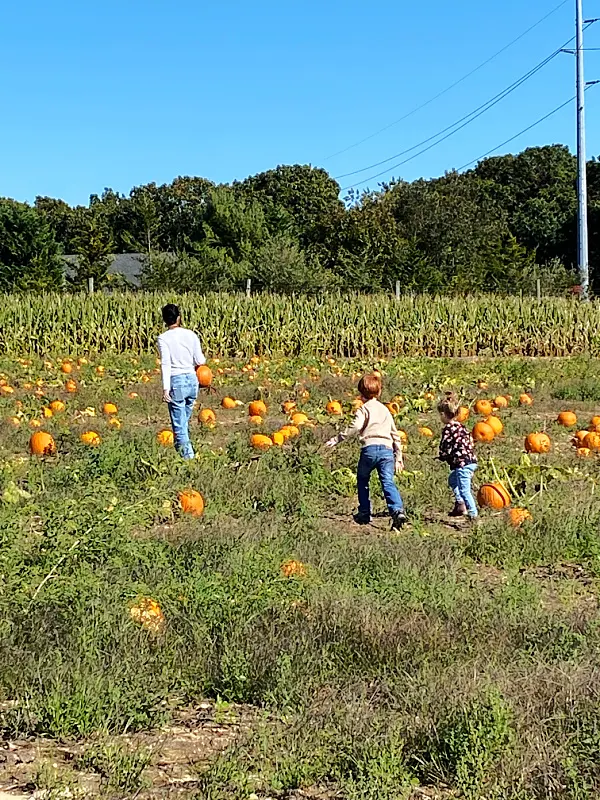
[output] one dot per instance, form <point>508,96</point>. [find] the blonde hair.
<point>370,386</point>
<point>449,405</point>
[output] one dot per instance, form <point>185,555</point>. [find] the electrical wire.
<point>452,86</point>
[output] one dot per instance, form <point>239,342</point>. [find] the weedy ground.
<point>441,661</point>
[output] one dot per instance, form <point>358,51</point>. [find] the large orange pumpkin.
<point>592,441</point>
<point>495,423</point>
<point>567,418</point>
<point>483,408</point>
<point>42,444</point>
<point>191,502</point>
<point>482,432</point>
<point>257,409</point>
<point>204,375</point>
<point>493,495</point>
<point>260,442</point>
<point>538,443</point>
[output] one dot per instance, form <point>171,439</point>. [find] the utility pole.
<point>582,224</point>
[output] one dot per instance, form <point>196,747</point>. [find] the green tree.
<point>29,253</point>
<point>93,245</point>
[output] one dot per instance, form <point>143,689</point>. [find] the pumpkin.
<point>110,408</point>
<point>66,368</point>
<point>204,375</point>
<point>493,495</point>
<point>191,502</point>
<point>147,613</point>
<point>35,423</point>
<point>132,395</point>
<point>592,441</point>
<point>495,424</point>
<point>584,452</point>
<point>47,412</point>
<point>285,432</point>
<point>81,361</point>
<point>334,407</point>
<point>393,408</point>
<point>292,431</point>
<point>482,432</point>
<point>114,423</point>
<point>228,403</point>
<point>483,385</point>
<point>71,386</point>
<point>293,569</point>
<point>57,406</point>
<point>288,406</point>
<point>257,409</point>
<point>278,438</point>
<point>260,442</point>
<point>538,443</point>
<point>42,443</point>
<point>579,438</point>
<point>483,408</point>
<point>517,516</point>
<point>255,421</point>
<point>6,390</point>
<point>462,415</point>
<point>500,401</point>
<point>525,400</point>
<point>299,419</point>
<point>567,418</point>
<point>425,431</point>
<point>165,437</point>
<point>207,416</point>
<point>91,438</point>
<point>595,422</point>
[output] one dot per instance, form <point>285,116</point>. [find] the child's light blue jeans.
<point>381,458</point>
<point>184,391</point>
<point>460,482</point>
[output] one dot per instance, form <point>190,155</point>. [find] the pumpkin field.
<point>222,629</point>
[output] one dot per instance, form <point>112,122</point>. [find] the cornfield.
<point>340,325</point>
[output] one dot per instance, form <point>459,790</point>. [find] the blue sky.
<point>123,93</point>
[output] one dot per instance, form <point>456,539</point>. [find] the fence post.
<point>248,287</point>
<point>91,285</point>
<point>538,285</point>
<point>397,290</point>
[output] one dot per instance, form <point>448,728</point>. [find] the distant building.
<point>128,265</point>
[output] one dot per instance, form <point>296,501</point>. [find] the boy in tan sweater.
<point>381,450</point>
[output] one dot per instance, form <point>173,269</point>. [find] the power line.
<point>452,86</point>
<point>516,136</point>
<point>466,120</point>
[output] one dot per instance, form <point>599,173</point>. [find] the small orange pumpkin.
<point>71,386</point>
<point>191,502</point>
<point>334,407</point>
<point>500,401</point>
<point>110,408</point>
<point>165,438</point>
<point>91,438</point>
<point>207,416</point>
<point>288,406</point>
<point>204,375</point>
<point>567,419</point>
<point>493,495</point>
<point>42,443</point>
<point>57,406</point>
<point>517,516</point>
<point>583,452</point>
<point>299,419</point>
<point>257,409</point>
<point>278,438</point>
<point>483,408</point>
<point>462,415</point>
<point>228,403</point>
<point>525,400</point>
<point>260,442</point>
<point>538,443</point>
<point>482,432</point>
<point>258,421</point>
<point>66,368</point>
<point>425,431</point>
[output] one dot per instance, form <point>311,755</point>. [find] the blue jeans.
<point>184,391</point>
<point>381,458</point>
<point>460,482</point>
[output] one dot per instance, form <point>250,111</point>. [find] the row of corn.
<point>341,325</point>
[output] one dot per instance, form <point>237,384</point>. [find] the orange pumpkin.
<point>293,569</point>
<point>257,409</point>
<point>482,432</point>
<point>525,400</point>
<point>260,442</point>
<point>579,438</point>
<point>483,385</point>
<point>592,441</point>
<point>334,407</point>
<point>207,416</point>
<point>42,444</point>
<point>483,408</point>
<point>115,423</point>
<point>538,443</point>
<point>66,368</point>
<point>228,402</point>
<point>148,614</point>
<point>110,408</point>
<point>495,423</point>
<point>393,408</point>
<point>500,401</point>
<point>567,418</point>
<point>291,430</point>
<point>356,404</point>
<point>255,421</point>
<point>204,375</point>
<point>584,452</point>
<point>100,370</point>
<point>403,436</point>
<point>426,432</point>
<point>595,422</point>
<point>288,406</point>
<point>71,386</point>
<point>91,438</point>
<point>191,502</point>
<point>278,438</point>
<point>462,415</point>
<point>57,406</point>
<point>299,419</point>
<point>517,516</point>
<point>493,495</point>
<point>165,438</point>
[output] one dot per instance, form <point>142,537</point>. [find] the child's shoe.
<point>459,510</point>
<point>398,520</point>
<point>362,519</point>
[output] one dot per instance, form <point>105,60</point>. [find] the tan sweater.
<point>373,424</point>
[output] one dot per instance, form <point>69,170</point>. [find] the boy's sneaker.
<point>398,520</point>
<point>362,519</point>
<point>459,510</point>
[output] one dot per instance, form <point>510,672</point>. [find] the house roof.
<point>129,265</point>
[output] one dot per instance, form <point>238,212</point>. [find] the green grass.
<point>435,657</point>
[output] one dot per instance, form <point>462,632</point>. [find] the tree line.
<point>498,227</point>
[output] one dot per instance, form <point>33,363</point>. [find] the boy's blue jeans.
<point>381,458</point>
<point>184,391</point>
<point>460,482</point>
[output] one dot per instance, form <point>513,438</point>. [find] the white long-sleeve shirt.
<point>374,424</point>
<point>180,354</point>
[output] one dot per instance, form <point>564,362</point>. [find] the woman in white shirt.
<point>180,354</point>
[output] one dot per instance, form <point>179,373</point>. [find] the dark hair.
<point>170,314</point>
